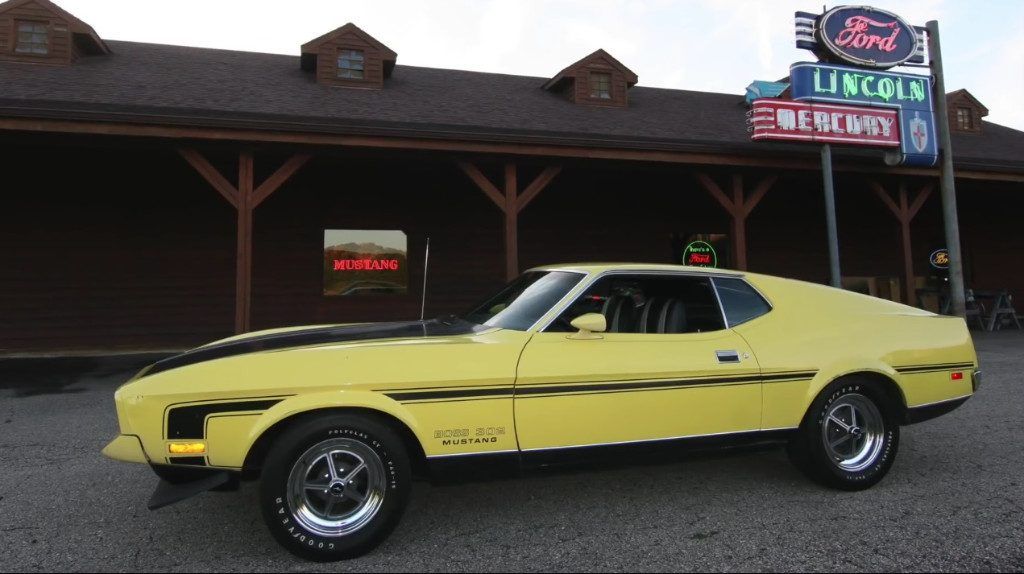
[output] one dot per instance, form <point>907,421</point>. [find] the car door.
<point>666,368</point>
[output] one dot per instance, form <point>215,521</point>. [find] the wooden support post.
<point>905,212</point>
<point>244,198</point>
<point>243,257</point>
<point>739,207</point>
<point>511,202</point>
<point>511,222</point>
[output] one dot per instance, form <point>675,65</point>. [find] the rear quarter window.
<point>740,301</point>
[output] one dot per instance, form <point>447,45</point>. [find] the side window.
<point>741,302</point>
<point>647,304</point>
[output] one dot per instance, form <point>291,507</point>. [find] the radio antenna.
<point>426,265</point>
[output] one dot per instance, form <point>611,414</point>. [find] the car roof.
<point>603,267</point>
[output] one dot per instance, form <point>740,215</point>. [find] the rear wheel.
<point>334,487</point>
<point>849,438</point>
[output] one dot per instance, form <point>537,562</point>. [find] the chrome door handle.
<point>727,356</point>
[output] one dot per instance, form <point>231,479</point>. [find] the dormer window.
<point>601,85</point>
<point>33,38</point>
<point>964,119</point>
<point>965,112</point>
<point>348,57</point>
<point>41,32</point>
<point>597,80</point>
<point>350,64</point>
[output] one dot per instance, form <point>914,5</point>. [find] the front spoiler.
<point>167,493</point>
<point>126,448</point>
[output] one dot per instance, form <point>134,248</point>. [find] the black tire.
<point>291,527</point>
<point>821,462</point>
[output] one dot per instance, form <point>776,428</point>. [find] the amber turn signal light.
<point>186,448</point>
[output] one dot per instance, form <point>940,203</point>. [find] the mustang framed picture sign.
<point>365,262</point>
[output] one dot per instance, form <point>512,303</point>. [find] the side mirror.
<point>589,325</point>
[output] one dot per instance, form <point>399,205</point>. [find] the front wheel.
<point>849,438</point>
<point>334,487</point>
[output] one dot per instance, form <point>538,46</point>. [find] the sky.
<point>706,45</point>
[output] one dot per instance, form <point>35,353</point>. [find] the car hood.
<point>281,339</point>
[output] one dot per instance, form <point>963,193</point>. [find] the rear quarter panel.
<point>839,333</point>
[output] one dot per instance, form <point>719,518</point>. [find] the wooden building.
<point>157,197</point>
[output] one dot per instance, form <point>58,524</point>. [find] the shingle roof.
<point>220,87</point>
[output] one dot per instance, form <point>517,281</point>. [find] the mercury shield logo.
<point>919,133</point>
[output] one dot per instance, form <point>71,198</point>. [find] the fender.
<point>851,366</point>
<point>786,404</point>
<point>327,400</point>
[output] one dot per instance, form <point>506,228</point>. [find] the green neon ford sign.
<point>700,254</point>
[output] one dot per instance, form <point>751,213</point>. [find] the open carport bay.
<point>953,501</point>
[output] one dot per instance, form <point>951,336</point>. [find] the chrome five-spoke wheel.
<point>852,432</point>
<point>336,487</point>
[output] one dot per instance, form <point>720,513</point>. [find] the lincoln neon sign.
<point>858,84</point>
<point>845,85</point>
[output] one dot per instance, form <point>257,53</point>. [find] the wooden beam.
<point>922,196</point>
<point>537,185</point>
<point>299,137</point>
<point>711,187</point>
<point>511,222</point>
<point>211,175</point>
<point>762,188</point>
<point>884,196</point>
<point>483,183</point>
<point>908,255</point>
<point>243,276</point>
<point>739,222</point>
<point>279,177</point>
<point>905,212</point>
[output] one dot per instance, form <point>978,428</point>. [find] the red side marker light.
<point>956,376</point>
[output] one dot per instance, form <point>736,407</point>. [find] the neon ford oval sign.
<point>867,36</point>
<point>939,258</point>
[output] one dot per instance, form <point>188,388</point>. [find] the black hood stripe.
<point>318,336</point>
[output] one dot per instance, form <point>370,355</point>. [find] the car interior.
<point>649,305</point>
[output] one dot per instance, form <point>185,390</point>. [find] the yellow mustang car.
<point>567,362</point>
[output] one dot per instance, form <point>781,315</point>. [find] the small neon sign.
<point>700,254</point>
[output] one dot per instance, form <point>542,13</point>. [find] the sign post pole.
<point>947,184</point>
<point>830,216</point>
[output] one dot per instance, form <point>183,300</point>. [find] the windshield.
<point>525,300</point>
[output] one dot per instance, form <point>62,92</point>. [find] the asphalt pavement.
<point>954,500</point>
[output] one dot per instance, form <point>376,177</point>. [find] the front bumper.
<point>126,448</point>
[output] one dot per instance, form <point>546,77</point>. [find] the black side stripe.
<point>556,389</point>
<point>934,368</point>
<point>459,393</point>
<point>188,422</point>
